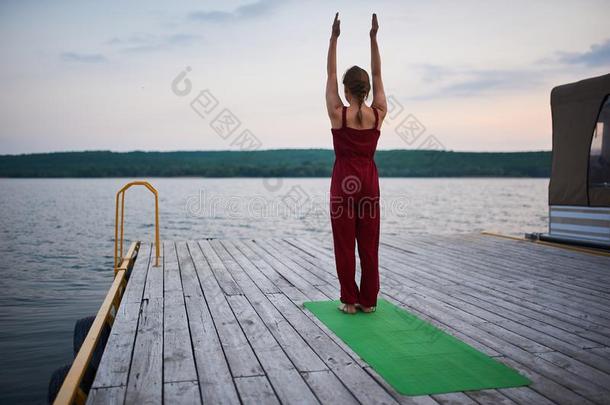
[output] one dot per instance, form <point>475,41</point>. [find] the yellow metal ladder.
<point>120,195</point>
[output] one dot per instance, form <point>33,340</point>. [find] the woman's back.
<point>368,116</point>
<point>350,141</point>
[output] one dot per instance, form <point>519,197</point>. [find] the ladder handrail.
<point>70,392</point>
<point>118,247</point>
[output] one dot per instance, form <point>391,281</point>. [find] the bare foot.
<point>366,309</point>
<point>347,308</point>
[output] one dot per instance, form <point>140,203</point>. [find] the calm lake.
<point>56,241</point>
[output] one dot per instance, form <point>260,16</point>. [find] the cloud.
<point>143,42</point>
<point>597,55</point>
<point>82,57</point>
<point>435,73</point>
<point>251,10</point>
<point>468,82</point>
<point>480,81</point>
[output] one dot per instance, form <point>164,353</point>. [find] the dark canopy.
<point>575,108</point>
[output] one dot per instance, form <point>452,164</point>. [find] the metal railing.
<point>118,243</point>
<point>70,391</point>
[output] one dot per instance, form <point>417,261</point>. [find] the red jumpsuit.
<point>354,211</point>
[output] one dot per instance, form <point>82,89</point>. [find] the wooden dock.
<point>223,322</point>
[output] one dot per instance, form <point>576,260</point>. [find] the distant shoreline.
<point>270,163</point>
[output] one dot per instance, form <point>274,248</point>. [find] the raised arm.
<point>379,100</point>
<point>333,101</point>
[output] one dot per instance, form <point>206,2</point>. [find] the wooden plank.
<point>215,380</point>
<point>291,342</point>
<point>116,360</point>
<point>534,311</point>
<point>574,382</point>
<point>549,340</point>
<point>540,325</point>
<point>603,352</point>
<point>293,278</point>
<point>531,251</point>
<point>232,328</point>
<point>327,273</point>
<point>320,263</point>
<point>328,387</point>
<point>137,278</point>
<point>277,279</point>
<point>153,287</point>
<point>557,274</point>
<point>454,398</point>
<point>283,285</point>
<point>502,297</point>
<point>518,331</point>
<point>405,399</point>
<point>190,280</point>
<point>546,387</point>
<point>546,273</point>
<point>525,396</point>
<point>490,263</point>
<point>178,358</point>
<point>283,376</point>
<point>256,390</point>
<point>567,363</point>
<point>224,279</point>
<point>288,262</point>
<point>324,262</point>
<point>106,396</point>
<point>555,373</point>
<point>145,382</point>
<point>491,397</point>
<point>571,260</point>
<point>238,352</point>
<point>360,384</point>
<point>581,385</point>
<point>292,345</point>
<point>327,292</point>
<point>181,392</point>
<point>249,267</point>
<point>172,284</point>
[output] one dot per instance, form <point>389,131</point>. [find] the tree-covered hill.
<point>271,163</point>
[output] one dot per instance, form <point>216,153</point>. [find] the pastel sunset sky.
<point>93,75</point>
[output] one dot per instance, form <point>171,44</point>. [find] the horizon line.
<point>262,150</point>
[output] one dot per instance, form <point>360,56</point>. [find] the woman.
<point>354,190</point>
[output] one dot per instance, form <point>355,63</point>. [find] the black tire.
<point>99,349</point>
<point>57,379</point>
<point>81,328</point>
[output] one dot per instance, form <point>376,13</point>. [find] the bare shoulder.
<point>381,112</point>
<point>381,108</point>
<point>335,116</point>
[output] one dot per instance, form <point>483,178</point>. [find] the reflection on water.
<point>56,241</point>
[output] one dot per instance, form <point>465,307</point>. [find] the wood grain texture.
<point>223,321</point>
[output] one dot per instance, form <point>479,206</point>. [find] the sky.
<point>205,75</point>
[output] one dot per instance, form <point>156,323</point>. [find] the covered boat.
<point>579,188</point>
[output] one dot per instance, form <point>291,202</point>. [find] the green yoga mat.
<point>412,355</point>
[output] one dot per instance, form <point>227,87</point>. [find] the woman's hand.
<point>374,26</point>
<point>336,27</point>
